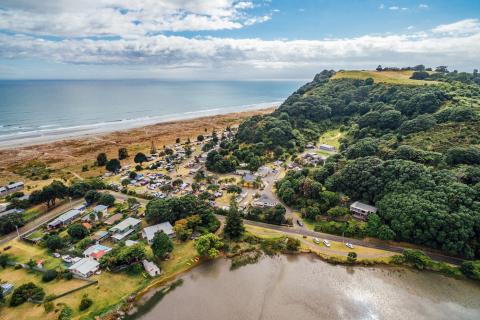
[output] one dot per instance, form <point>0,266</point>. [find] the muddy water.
<point>303,287</point>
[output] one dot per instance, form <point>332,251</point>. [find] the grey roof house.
<point>149,232</point>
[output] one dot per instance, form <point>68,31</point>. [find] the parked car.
<point>316,240</point>
<point>326,243</point>
<point>349,245</point>
<point>300,223</point>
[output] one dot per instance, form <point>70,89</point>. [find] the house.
<point>125,228</point>
<point>100,235</point>
<point>113,219</point>
<point>85,267</point>
<point>64,219</point>
<point>327,147</point>
<point>130,243</point>
<point>361,210</point>
<point>151,268</point>
<point>249,180</point>
<point>96,251</point>
<point>149,232</point>
<point>264,202</point>
<point>101,208</point>
<point>263,171</point>
<point>4,206</point>
<point>12,211</point>
<point>242,172</point>
<point>6,288</point>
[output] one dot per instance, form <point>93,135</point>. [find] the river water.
<point>306,288</point>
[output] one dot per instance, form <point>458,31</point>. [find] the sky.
<point>231,39</point>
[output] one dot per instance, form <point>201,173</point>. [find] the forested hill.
<point>410,147</point>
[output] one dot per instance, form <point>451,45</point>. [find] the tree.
<point>77,231</point>
<point>85,303</point>
<point>66,313</point>
<point>293,244</point>
<point>420,75</point>
<point>352,257</point>
<point>177,140</point>
<point>49,275</point>
<point>200,137</point>
<point>91,196</point>
<point>471,269</point>
<point>208,245</point>
<point>26,292</point>
<point>417,258</point>
<point>234,228</point>
<point>113,165</point>
<point>102,159</point>
<point>4,258</point>
<point>161,245</point>
<point>122,153</point>
<point>106,199</point>
<point>54,242</point>
<point>140,158</point>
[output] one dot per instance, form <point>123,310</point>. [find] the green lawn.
<point>331,137</point>
<point>393,77</point>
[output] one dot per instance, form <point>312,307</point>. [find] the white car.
<point>349,245</point>
<point>326,243</point>
<point>316,240</point>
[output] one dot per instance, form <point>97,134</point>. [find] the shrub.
<point>49,275</point>
<point>66,313</point>
<point>85,303</point>
<point>27,291</point>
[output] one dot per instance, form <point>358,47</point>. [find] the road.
<point>382,246</point>
<point>46,217</point>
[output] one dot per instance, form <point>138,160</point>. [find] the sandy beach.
<point>66,156</point>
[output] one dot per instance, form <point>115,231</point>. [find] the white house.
<point>264,202</point>
<point>327,147</point>
<point>149,232</point>
<point>361,210</point>
<point>64,219</point>
<point>125,228</point>
<point>85,267</point>
<point>151,268</point>
<point>96,251</point>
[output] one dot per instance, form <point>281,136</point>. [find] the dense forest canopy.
<point>411,150</point>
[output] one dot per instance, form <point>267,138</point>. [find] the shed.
<point>85,267</point>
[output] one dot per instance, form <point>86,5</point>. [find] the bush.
<point>85,303</point>
<point>27,291</point>
<point>66,313</point>
<point>49,275</point>
<point>417,258</point>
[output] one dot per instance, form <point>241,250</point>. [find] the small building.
<point>264,202</point>
<point>6,288</point>
<point>96,251</point>
<point>113,219</point>
<point>125,228</point>
<point>149,232</point>
<point>152,269</point>
<point>327,147</point>
<point>242,173</point>
<point>11,211</point>
<point>100,235</point>
<point>4,206</point>
<point>130,243</point>
<point>101,208</point>
<point>263,171</point>
<point>361,210</point>
<point>64,219</point>
<point>85,267</point>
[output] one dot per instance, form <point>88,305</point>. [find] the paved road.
<point>305,232</point>
<point>42,219</point>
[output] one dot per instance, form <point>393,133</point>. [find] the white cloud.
<point>382,6</point>
<point>410,27</point>
<point>123,18</point>
<point>396,8</point>
<point>467,26</point>
<point>423,6</point>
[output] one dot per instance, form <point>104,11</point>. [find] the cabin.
<point>64,219</point>
<point>327,147</point>
<point>264,202</point>
<point>85,267</point>
<point>151,268</point>
<point>149,232</point>
<point>101,208</point>
<point>11,188</point>
<point>96,251</point>
<point>125,228</point>
<point>361,210</point>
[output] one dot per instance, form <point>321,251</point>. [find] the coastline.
<point>74,151</point>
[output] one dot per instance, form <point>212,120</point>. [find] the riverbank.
<point>65,158</point>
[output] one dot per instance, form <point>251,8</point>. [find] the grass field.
<point>23,252</point>
<point>393,77</point>
<point>331,137</point>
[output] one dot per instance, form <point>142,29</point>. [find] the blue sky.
<point>228,39</point>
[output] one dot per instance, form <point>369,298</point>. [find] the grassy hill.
<point>409,147</point>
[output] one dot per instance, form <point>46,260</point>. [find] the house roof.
<point>84,266</point>
<point>125,224</point>
<point>149,232</point>
<point>363,206</point>
<point>100,207</point>
<point>66,216</point>
<point>95,249</point>
<point>116,217</point>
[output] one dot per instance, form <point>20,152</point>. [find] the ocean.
<point>33,111</point>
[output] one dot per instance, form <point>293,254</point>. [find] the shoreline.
<point>71,153</point>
